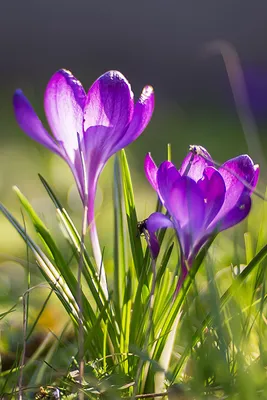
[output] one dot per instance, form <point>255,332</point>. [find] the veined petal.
<point>30,123</point>
<point>107,113</point>
<point>238,167</point>
<point>213,188</point>
<point>143,111</point>
<point>151,171</point>
<point>239,211</point>
<point>194,164</point>
<point>186,205</point>
<point>231,171</point>
<point>153,223</point>
<point>167,175</point>
<point>64,102</point>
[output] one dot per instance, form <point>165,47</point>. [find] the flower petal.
<point>238,167</point>
<point>194,164</point>
<point>151,171</point>
<point>166,177</point>
<point>213,188</point>
<point>236,214</point>
<point>30,123</point>
<point>64,102</point>
<point>154,222</point>
<point>255,178</point>
<point>107,113</point>
<point>187,208</point>
<point>231,171</point>
<point>143,111</point>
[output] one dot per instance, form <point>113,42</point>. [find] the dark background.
<point>157,41</point>
<point>162,43</point>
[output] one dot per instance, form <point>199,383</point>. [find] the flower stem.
<point>24,330</point>
<point>183,275</point>
<point>80,304</point>
<point>95,243</point>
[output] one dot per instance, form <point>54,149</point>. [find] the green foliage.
<point>209,339</point>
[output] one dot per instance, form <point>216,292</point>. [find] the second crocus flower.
<point>200,199</point>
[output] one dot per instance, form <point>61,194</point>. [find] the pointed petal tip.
<point>60,80</point>
<point>115,78</point>
<point>20,101</point>
<point>151,170</point>
<point>147,93</point>
<point>64,72</point>
<point>18,94</point>
<point>149,157</point>
<point>114,74</point>
<point>30,123</point>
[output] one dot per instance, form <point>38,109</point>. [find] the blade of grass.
<point>47,268</point>
<point>260,256</point>
<point>119,240</point>
<point>135,241</point>
<point>89,271</point>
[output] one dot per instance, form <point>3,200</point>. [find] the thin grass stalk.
<point>25,300</point>
<point>119,239</point>
<point>89,271</point>
<point>79,278</point>
<point>46,266</point>
<point>240,95</point>
<point>80,304</point>
<point>23,354</point>
<point>57,282</point>
<point>98,254</point>
<point>150,321</point>
<point>25,308</point>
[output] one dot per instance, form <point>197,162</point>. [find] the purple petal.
<point>78,172</point>
<point>166,177</point>
<point>143,111</point>
<point>64,102</point>
<point>30,123</point>
<point>255,178</point>
<point>239,167</point>
<point>108,111</point>
<point>153,223</point>
<point>236,214</point>
<point>187,207</point>
<point>194,164</point>
<point>213,188</point>
<point>151,171</point>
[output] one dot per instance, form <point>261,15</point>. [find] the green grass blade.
<point>119,239</point>
<point>135,241</point>
<point>60,263</point>
<point>47,268</point>
<point>248,247</point>
<point>89,271</point>
<point>225,298</point>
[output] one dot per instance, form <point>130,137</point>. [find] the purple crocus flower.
<point>87,129</point>
<point>200,199</point>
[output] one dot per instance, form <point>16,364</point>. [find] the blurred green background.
<point>162,43</point>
